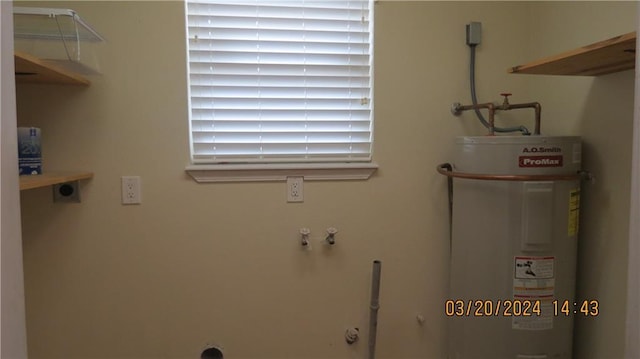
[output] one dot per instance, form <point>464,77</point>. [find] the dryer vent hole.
<point>211,353</point>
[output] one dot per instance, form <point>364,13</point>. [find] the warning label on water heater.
<point>544,321</point>
<point>534,281</point>
<point>533,267</point>
<point>574,211</point>
<point>533,276</point>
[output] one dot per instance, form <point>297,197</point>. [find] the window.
<point>280,81</point>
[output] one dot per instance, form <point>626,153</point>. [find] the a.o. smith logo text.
<point>541,149</point>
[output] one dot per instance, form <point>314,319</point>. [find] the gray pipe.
<point>474,99</point>
<point>375,305</point>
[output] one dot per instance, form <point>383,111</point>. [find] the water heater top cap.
<point>480,140</point>
<point>518,155</point>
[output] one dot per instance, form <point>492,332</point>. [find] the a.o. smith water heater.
<point>513,246</point>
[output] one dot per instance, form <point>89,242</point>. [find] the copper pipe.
<point>458,108</point>
<point>535,105</point>
<point>443,170</point>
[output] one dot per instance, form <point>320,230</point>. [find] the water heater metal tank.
<point>514,241</point>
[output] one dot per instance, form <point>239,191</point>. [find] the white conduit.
<point>632,346</point>
<point>375,305</point>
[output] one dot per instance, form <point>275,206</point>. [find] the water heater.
<point>513,246</point>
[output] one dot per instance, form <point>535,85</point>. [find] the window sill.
<point>280,172</point>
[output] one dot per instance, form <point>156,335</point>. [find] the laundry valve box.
<point>29,151</point>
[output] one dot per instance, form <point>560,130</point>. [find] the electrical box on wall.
<point>66,192</point>
<point>474,33</point>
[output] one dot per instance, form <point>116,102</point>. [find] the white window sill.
<point>280,172</point>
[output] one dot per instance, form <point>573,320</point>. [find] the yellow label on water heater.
<point>574,211</point>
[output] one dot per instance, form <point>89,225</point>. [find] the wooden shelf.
<point>604,57</point>
<point>30,69</point>
<point>51,178</point>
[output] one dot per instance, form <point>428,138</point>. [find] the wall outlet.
<point>131,190</point>
<point>295,189</point>
<point>66,192</point>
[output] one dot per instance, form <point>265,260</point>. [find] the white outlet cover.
<point>131,190</point>
<point>295,189</point>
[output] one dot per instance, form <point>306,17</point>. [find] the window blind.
<point>280,81</point>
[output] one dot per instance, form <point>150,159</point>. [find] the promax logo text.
<point>540,161</point>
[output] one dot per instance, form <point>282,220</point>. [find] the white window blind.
<point>280,81</point>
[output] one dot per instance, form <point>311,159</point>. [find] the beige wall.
<point>221,263</point>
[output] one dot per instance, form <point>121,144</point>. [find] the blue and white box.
<point>29,151</point>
